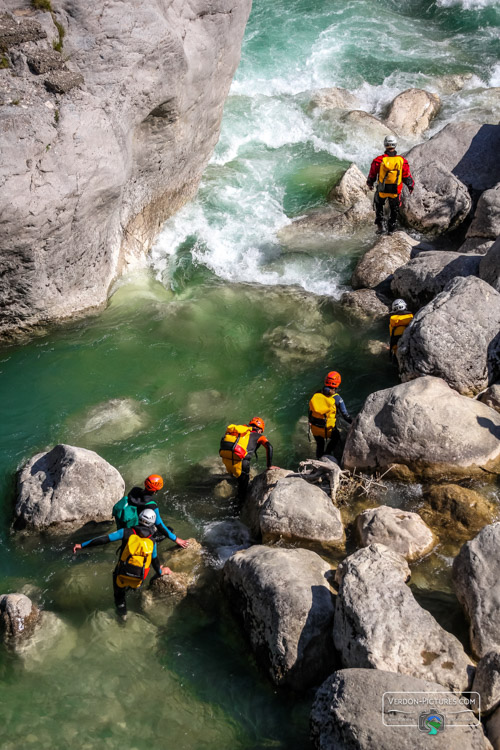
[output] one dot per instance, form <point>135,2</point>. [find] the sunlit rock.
<point>65,486</point>
<point>365,127</point>
<point>491,397</point>
<point>489,267</point>
<point>351,188</point>
<point>334,98</point>
<point>224,538</point>
<point>400,530</point>
<point>380,625</point>
<point>18,619</point>
<point>366,304</point>
<point>378,265</point>
<point>455,513</point>
<point>411,112</point>
<point>486,221</point>
<point>259,491</point>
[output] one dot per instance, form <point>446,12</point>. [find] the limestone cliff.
<point>109,112</point>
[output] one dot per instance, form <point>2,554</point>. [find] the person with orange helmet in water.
<point>323,408</point>
<point>126,511</point>
<point>238,445</point>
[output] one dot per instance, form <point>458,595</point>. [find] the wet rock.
<point>455,337</point>
<point>224,538</point>
<point>455,513</point>
<point>362,125</point>
<point>18,619</point>
<point>486,221</point>
<point>375,347</point>
<point>366,304</point>
<point>376,268</point>
<point>14,32</point>
<point>173,587</point>
<point>62,81</point>
<point>334,98</point>
<point>411,112</point>
<point>260,489</point>
<point>66,485</point>
<point>224,490</point>
<point>424,428</point>
<point>491,397</point>
<point>52,640</point>
<point>297,511</point>
<point>425,276</point>
<point>319,228</point>
<point>400,530</point>
<point>292,347</point>
<point>379,624</point>
<point>285,603</point>
<point>476,575</point>
<point>489,267</point>
<point>450,84</point>
<point>346,714</point>
<point>487,681</point>
<point>351,188</point>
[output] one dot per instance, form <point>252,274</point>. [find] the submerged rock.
<point>377,267</point>
<point>365,127</point>
<point>334,98</point>
<point>111,421</point>
<point>411,112</point>
<point>366,304</point>
<point>476,575</point>
<point>424,428</point>
<point>297,511</point>
<point>379,624</point>
<point>455,513</point>
<point>399,530</point>
<point>455,337</point>
<point>18,619</point>
<point>286,605</point>
<point>320,229</point>
<point>67,485</point>
<point>346,714</point>
<point>292,347</point>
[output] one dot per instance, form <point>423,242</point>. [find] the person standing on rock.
<point>137,554</point>
<point>238,445</point>
<point>323,408</point>
<point>126,511</point>
<point>391,171</point>
<point>400,319</point>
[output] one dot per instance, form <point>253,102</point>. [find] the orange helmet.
<point>333,379</point>
<point>258,422</point>
<point>154,483</point>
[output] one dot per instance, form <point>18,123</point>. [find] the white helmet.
<point>390,141</point>
<point>147,517</point>
<point>399,305</point>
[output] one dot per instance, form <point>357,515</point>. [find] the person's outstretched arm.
<point>113,537</point>
<point>159,523</point>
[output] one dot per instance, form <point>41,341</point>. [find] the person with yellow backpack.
<point>323,409</point>
<point>399,321</point>
<point>137,554</point>
<point>237,446</point>
<point>391,171</point>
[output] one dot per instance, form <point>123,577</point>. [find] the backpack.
<point>234,447</point>
<point>390,176</point>
<point>126,515</point>
<point>322,414</point>
<point>135,561</point>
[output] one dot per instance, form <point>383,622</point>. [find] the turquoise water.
<point>192,342</point>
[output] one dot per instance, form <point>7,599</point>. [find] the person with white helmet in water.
<point>137,554</point>
<point>399,320</point>
<point>391,171</point>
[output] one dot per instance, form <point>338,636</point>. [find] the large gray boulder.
<point>424,428</point>
<point>260,489</point>
<point>486,221</point>
<point>351,188</point>
<point>447,168</point>
<point>487,681</point>
<point>380,625</point>
<point>476,575</point>
<point>366,304</point>
<point>285,603</point>
<point>378,265</point>
<point>400,530</point>
<point>89,175</point>
<point>411,112</point>
<point>299,512</point>
<point>66,485</point>
<point>455,337</point>
<point>489,268</point>
<point>352,711</point>
<point>425,276</point>
<point>18,619</point>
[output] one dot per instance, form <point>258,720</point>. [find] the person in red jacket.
<point>391,171</point>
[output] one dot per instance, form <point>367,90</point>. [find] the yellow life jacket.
<point>390,175</point>
<point>322,414</point>
<point>234,447</point>
<point>135,561</point>
<point>397,326</point>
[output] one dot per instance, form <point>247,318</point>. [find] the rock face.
<point>134,139</point>
<point>424,428</point>
<point>346,715</point>
<point>486,221</point>
<point>400,530</point>
<point>67,485</point>
<point>411,111</point>
<point>378,623</point>
<point>376,268</point>
<point>18,618</point>
<point>489,268</point>
<point>260,489</point>
<point>487,681</point>
<point>366,304</point>
<point>425,276</point>
<point>285,603</point>
<point>351,188</point>
<point>448,166</point>
<point>455,337</point>
<point>301,512</point>
<point>476,575</point>
<point>455,513</point>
